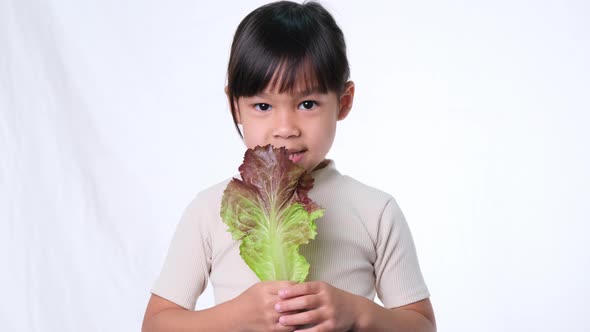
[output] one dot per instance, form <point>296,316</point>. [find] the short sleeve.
<point>399,280</point>
<point>186,269</point>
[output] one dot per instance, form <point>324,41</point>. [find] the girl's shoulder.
<point>352,184</point>
<point>345,187</point>
<point>330,179</point>
<point>368,200</point>
<point>214,191</point>
<point>209,197</point>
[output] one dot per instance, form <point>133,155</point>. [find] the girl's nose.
<point>285,124</point>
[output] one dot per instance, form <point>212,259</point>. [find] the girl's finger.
<point>299,303</point>
<point>275,286</point>
<point>315,328</point>
<point>305,288</point>
<point>302,318</point>
<point>283,328</point>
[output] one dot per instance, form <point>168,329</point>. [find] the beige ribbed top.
<point>363,245</point>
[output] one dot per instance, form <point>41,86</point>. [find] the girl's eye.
<point>308,105</point>
<point>262,107</point>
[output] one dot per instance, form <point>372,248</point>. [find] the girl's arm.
<point>414,317</point>
<point>163,315</point>
<point>253,310</point>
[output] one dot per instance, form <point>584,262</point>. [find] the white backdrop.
<point>473,114</point>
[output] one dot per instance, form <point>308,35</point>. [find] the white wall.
<point>473,114</point>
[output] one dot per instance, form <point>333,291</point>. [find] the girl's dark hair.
<point>281,42</point>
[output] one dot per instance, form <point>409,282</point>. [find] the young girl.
<point>288,86</point>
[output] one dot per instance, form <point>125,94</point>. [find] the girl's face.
<point>304,122</point>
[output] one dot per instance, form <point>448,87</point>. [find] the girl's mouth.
<point>296,157</point>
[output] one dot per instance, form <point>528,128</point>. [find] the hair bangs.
<point>294,76</point>
<point>283,71</point>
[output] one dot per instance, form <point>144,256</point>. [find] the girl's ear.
<point>234,109</point>
<point>346,100</point>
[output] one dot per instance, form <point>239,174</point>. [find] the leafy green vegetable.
<point>269,210</point>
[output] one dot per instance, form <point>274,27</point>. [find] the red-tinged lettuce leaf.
<point>270,212</point>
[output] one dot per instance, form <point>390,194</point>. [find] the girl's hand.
<point>256,306</point>
<point>320,304</point>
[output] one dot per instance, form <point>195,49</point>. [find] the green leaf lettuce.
<point>270,212</point>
